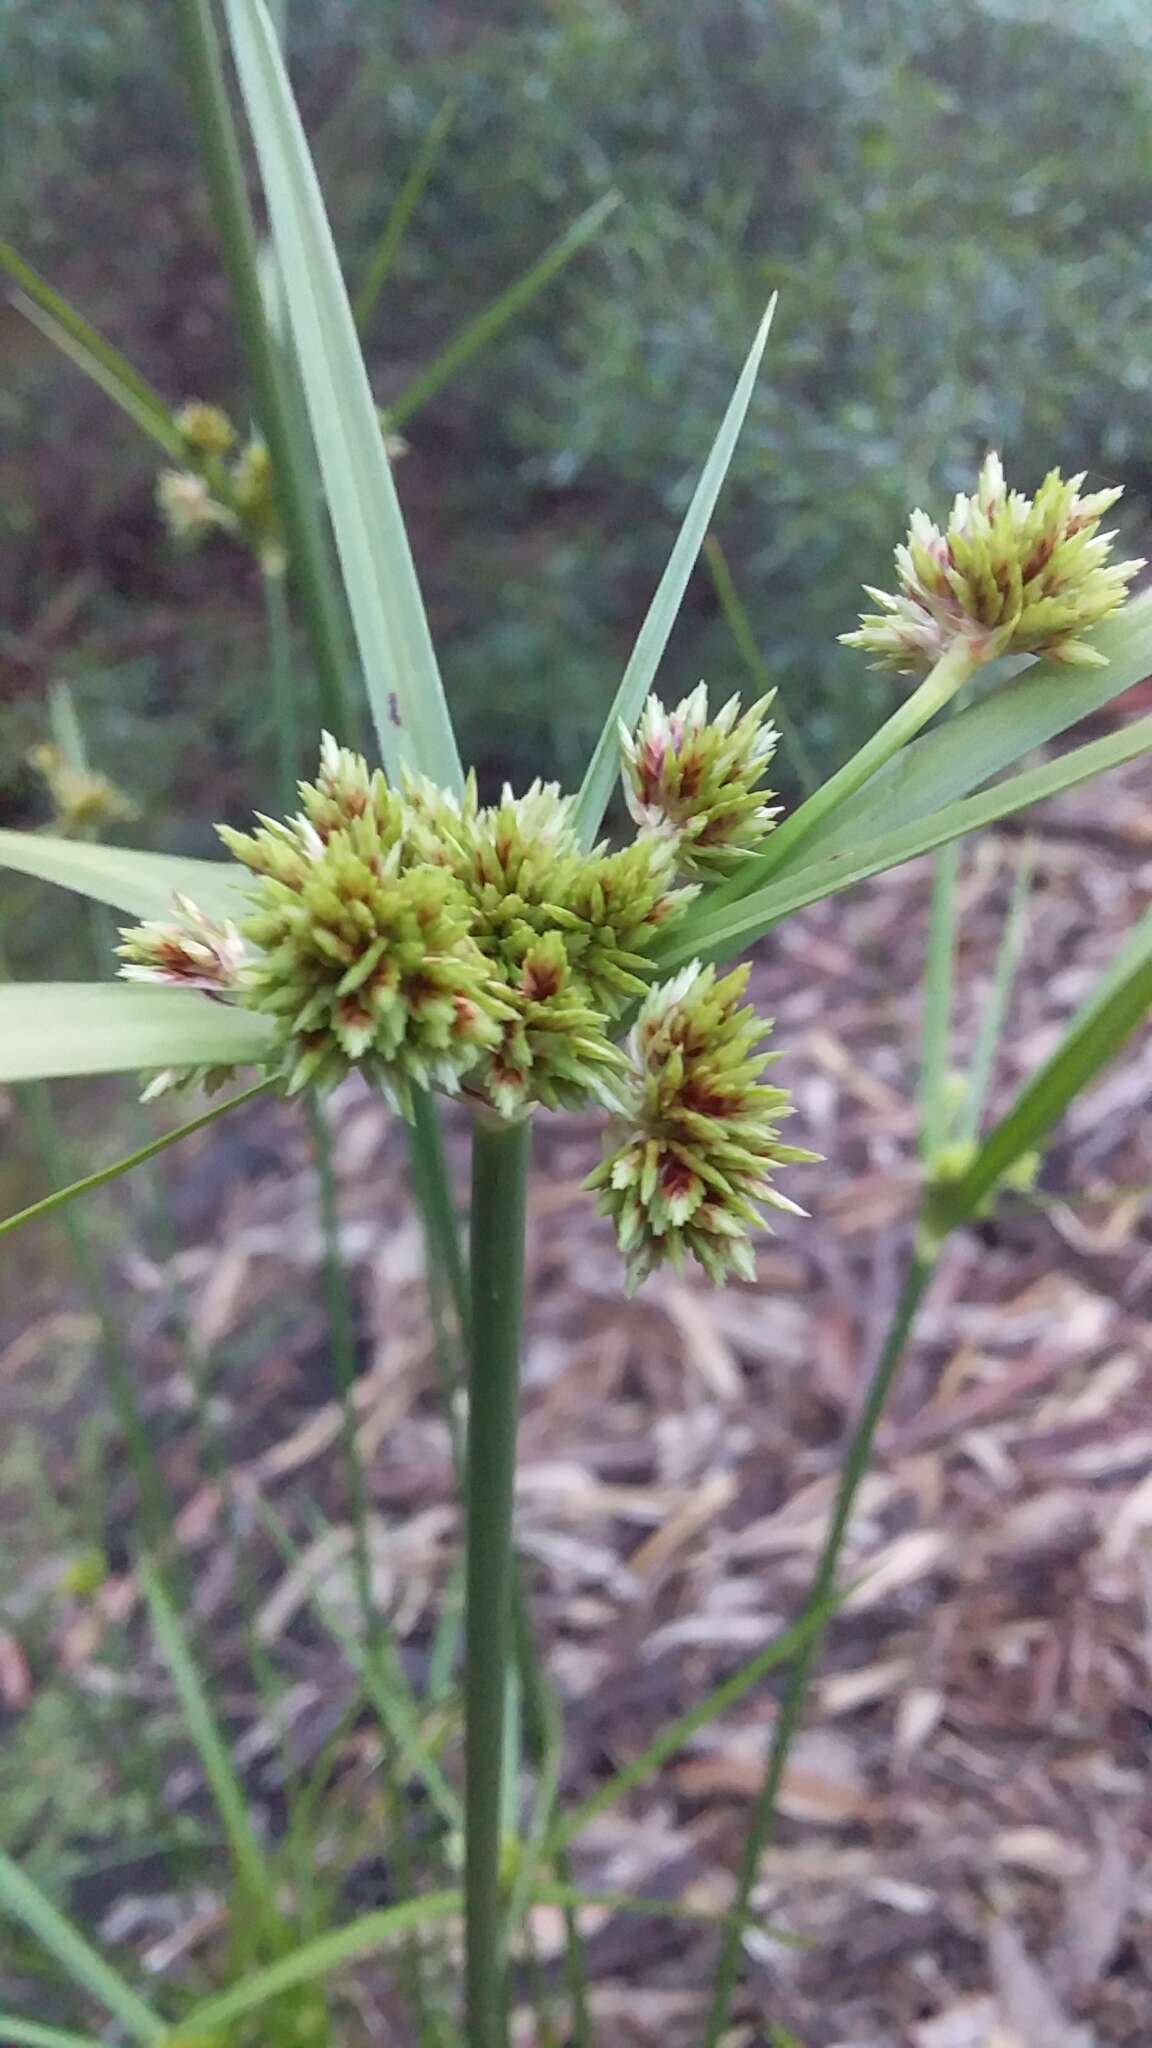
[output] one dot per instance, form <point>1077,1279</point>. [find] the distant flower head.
<point>83,801</point>
<point>188,507</point>
<point>689,1168</point>
<point>253,498</point>
<point>226,487</point>
<point>695,780</point>
<point>1009,574</point>
<point>205,429</point>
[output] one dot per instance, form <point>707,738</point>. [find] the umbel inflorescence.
<point>431,941</point>
<point>435,942</point>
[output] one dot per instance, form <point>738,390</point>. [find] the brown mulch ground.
<point>966,1823</point>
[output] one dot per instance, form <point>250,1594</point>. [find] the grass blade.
<point>657,1909</point>
<point>308,549</point>
<point>141,883</point>
<point>28,2034</point>
<point>961,755</point>
<point>315,1959</point>
<point>744,639</point>
<point>227,1791</point>
<point>61,1196</point>
<point>996,1006</point>
<point>937,1004</point>
<point>49,1030</point>
<point>383,258</point>
<point>1120,1003</point>
<point>23,1901</point>
<point>733,926</point>
<point>68,330</point>
<point>396,651</point>
<point>483,330</point>
<point>676,1733</point>
<point>654,634</point>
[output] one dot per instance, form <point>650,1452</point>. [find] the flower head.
<point>362,957</point>
<point>690,1168</point>
<point>225,488</point>
<point>252,488</point>
<point>190,950</point>
<point>205,429</point>
<point>83,801</point>
<point>564,932</point>
<point>188,507</point>
<point>694,779</point>
<point>1009,574</point>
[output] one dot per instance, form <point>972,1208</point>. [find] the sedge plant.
<point>508,955</point>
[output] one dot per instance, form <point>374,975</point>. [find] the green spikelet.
<point>1009,575</point>
<point>686,1173</point>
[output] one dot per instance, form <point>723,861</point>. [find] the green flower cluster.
<point>1009,574</point>
<point>430,942</point>
<point>694,780</point>
<point>435,942</point>
<point>692,1165</point>
<point>225,488</point>
<point>565,933</point>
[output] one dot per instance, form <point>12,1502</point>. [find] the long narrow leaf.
<point>317,1958</point>
<point>743,634</point>
<point>392,634</point>
<point>655,632</point>
<point>23,1901</point>
<point>483,330</point>
<point>28,2034</point>
<point>733,926</point>
<point>142,883</point>
<point>52,1029</point>
<point>77,338</point>
<point>383,258</point>
<point>1122,1001</point>
<point>995,1006</point>
<point>223,1782</point>
<point>992,735</point>
<point>60,1198</point>
<point>936,1003</point>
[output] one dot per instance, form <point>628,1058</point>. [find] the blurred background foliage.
<point>952,201</point>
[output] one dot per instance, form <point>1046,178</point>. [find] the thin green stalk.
<point>285,697</point>
<point>819,1601</point>
<point>740,627</point>
<point>499,1177</point>
<point>433,1184</point>
<point>938,688</point>
<point>937,1004</point>
<point>996,1004</point>
<point>62,1197</point>
<point>544,1728</point>
<point>155,1505</point>
<point>382,260</point>
<point>307,546</point>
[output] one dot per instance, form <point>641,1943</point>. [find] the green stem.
<point>939,972</point>
<point>819,1600</point>
<point>744,636</point>
<point>285,700</point>
<point>952,671</point>
<point>499,1176</point>
<point>307,550</point>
